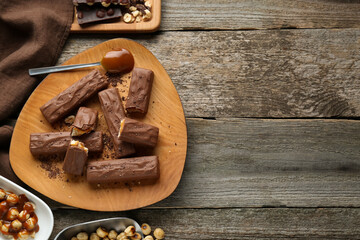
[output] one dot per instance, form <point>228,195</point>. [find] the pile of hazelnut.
<point>128,234</point>
<point>139,12</point>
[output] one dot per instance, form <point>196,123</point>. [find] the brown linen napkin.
<point>32,34</point>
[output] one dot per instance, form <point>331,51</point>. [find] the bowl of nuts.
<point>23,215</point>
<point>119,228</point>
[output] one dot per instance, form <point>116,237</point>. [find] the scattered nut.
<point>130,231</point>
<point>132,8</point>
<point>149,238</point>
<point>159,233</point>
<point>138,19</point>
<point>105,3</point>
<point>82,236</point>
<point>148,4</point>
<point>112,234</point>
<point>128,18</point>
<point>146,229</point>
<point>135,13</point>
<point>102,232</point>
<point>70,119</point>
<point>94,236</point>
<point>147,15</point>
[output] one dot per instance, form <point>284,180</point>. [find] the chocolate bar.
<point>139,91</point>
<point>123,170</point>
<point>58,142</point>
<point>85,121</point>
<point>86,14</point>
<point>75,158</point>
<point>73,96</point>
<point>114,112</point>
<point>138,133</point>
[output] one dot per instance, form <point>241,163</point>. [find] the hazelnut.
<point>159,233</point>
<point>74,238</point>
<point>146,229</point>
<point>82,236</point>
<point>149,238</point>
<point>5,228</point>
<point>16,225</point>
<point>130,231</point>
<point>30,224</point>
<point>12,199</point>
<point>112,234</point>
<point>102,232</point>
<point>23,216</point>
<point>29,207</point>
<point>94,236</point>
<point>105,3</point>
<point>135,13</point>
<point>147,15</point>
<point>24,234</point>
<point>128,18</point>
<point>70,119</point>
<point>12,214</point>
<point>132,8</point>
<point>138,19</point>
<point>136,236</point>
<point>2,194</point>
<point>148,4</point>
<point>121,236</point>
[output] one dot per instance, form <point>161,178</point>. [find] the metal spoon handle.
<point>44,70</point>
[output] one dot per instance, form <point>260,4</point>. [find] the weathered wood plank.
<point>263,223</point>
<point>265,14</point>
<point>256,163</point>
<point>278,73</point>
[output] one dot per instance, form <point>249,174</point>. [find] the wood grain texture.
<point>277,73</point>
<point>263,223</point>
<point>256,163</point>
<point>264,14</point>
<point>165,112</point>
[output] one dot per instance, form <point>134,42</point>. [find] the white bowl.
<point>43,212</point>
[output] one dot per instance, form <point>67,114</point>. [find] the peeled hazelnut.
<point>135,13</point>
<point>112,234</point>
<point>146,229</point>
<point>132,8</point>
<point>82,236</point>
<point>148,4</point>
<point>12,214</point>
<point>159,233</point>
<point>138,19</point>
<point>12,199</point>
<point>147,16</point>
<point>136,236</point>
<point>130,231</point>
<point>2,194</point>
<point>102,232</point>
<point>106,238</point>
<point>105,3</point>
<point>94,236</point>
<point>74,238</point>
<point>121,236</point>
<point>149,238</point>
<point>30,224</point>
<point>128,18</point>
<point>5,228</point>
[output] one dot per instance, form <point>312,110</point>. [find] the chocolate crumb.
<point>114,78</point>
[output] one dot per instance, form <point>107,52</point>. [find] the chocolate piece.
<point>73,96</point>
<point>58,142</point>
<point>75,158</point>
<point>138,133</point>
<point>85,121</point>
<point>139,91</point>
<point>114,112</point>
<point>123,170</point>
<point>97,13</point>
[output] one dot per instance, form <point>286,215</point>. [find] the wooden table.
<point>271,96</point>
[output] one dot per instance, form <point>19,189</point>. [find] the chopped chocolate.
<point>139,91</point>
<point>85,121</point>
<point>123,170</point>
<point>138,133</point>
<point>73,96</point>
<point>114,112</point>
<point>58,142</point>
<point>75,158</point>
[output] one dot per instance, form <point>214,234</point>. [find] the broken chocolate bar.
<point>73,96</point>
<point>138,133</point>
<point>58,142</point>
<point>114,112</point>
<point>123,170</point>
<point>139,91</point>
<point>86,14</point>
<point>85,121</point>
<point>75,158</point>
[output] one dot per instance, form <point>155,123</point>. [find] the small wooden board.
<point>121,26</point>
<point>165,112</point>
